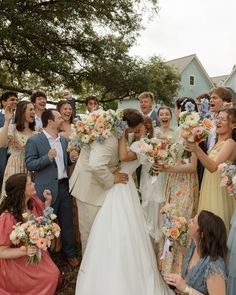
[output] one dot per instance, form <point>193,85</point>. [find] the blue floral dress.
<point>196,276</point>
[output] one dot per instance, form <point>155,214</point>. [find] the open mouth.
<point>165,121</point>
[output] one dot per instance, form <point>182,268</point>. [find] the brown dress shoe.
<point>73,261</point>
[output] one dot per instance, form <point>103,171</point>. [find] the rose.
<point>224,181</point>
<point>174,233</point>
<point>207,123</point>
<point>185,133</point>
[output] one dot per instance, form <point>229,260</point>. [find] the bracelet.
<point>188,290</point>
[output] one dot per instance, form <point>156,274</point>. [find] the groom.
<point>95,173</point>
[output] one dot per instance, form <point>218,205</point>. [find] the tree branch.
<point>16,89</point>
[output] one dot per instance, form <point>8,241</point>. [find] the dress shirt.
<point>55,143</point>
<point>38,122</point>
<point>212,136</point>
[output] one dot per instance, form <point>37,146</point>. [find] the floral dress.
<point>16,161</point>
<point>182,191</point>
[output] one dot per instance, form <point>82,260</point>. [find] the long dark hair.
<point>20,116</point>
<point>14,201</point>
<point>212,235</point>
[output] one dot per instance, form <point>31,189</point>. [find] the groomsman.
<point>46,156</point>
<point>39,99</point>
<point>8,98</point>
<point>146,101</point>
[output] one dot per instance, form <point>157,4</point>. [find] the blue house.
<point>194,79</point>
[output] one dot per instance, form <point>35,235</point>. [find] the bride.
<point>119,258</point>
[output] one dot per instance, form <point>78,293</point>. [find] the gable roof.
<point>181,63</point>
<point>230,75</point>
<point>219,80</point>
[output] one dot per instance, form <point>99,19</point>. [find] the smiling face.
<point>40,103</point>
<point>11,102</point>
<point>66,112</point>
<point>216,103</point>
<point>29,113</point>
<point>146,104</point>
<point>223,124</point>
<point>193,227</point>
<point>164,116</point>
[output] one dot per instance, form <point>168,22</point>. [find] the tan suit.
<point>92,178</point>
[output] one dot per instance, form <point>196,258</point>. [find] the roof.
<point>218,80</point>
<point>181,63</point>
<point>230,75</point>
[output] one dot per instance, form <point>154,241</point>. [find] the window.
<point>191,80</point>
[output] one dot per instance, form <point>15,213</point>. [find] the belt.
<point>62,180</point>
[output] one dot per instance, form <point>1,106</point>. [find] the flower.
<point>174,233</point>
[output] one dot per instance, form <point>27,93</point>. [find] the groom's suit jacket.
<point>93,173</point>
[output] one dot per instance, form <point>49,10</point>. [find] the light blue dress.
<point>231,261</point>
<point>196,277</point>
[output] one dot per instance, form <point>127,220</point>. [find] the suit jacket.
<point>92,176</point>
<point>3,152</point>
<point>45,170</point>
<point>153,116</point>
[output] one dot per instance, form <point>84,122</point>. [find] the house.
<point>194,79</point>
<point>227,81</point>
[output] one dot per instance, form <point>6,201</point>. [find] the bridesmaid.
<point>182,191</point>
<point>18,277</point>
<point>65,109</point>
<point>213,197</point>
<point>164,115</point>
<point>14,136</point>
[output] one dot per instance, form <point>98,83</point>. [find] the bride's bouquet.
<point>174,228</point>
<point>228,178</point>
<point>37,231</point>
<point>97,126</point>
<point>192,128</point>
<point>161,151</point>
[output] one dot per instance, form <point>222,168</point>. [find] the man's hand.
<point>52,154</point>
<point>74,155</point>
<point>48,197</point>
<point>121,177</point>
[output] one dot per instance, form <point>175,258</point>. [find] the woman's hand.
<point>48,197</point>
<point>31,250</point>
<point>190,146</point>
<point>176,281</point>
<point>8,113</point>
<point>157,167</point>
<point>74,155</point>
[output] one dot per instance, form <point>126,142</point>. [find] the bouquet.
<point>98,126</point>
<point>192,128</point>
<point>161,151</point>
<point>37,231</point>
<point>174,228</point>
<point>228,178</point>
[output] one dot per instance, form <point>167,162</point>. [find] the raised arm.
<point>124,154</point>
<point>4,131</point>
<point>224,154</point>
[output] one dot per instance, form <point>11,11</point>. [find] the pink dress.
<point>16,277</point>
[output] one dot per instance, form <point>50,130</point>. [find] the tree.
<point>61,41</point>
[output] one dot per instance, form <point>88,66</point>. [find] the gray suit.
<point>3,153</point>
<point>46,177</point>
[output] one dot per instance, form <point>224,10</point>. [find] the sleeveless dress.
<point>182,191</point>
<point>213,197</point>
<point>16,161</point>
<point>231,259</point>
<point>196,276</point>
<point>17,277</point>
<point>119,258</point>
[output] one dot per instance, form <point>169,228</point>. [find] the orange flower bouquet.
<point>37,231</point>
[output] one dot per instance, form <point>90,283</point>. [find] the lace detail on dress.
<point>215,268</point>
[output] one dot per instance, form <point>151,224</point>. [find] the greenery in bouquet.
<point>174,227</point>
<point>228,178</point>
<point>36,231</point>
<point>98,126</point>
<point>192,128</point>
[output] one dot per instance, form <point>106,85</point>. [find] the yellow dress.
<point>213,197</point>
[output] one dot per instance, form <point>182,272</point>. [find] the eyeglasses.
<point>221,119</point>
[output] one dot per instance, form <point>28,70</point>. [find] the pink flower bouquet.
<point>228,178</point>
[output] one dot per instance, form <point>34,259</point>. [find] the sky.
<point>206,28</point>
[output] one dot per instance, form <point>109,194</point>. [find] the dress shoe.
<point>73,261</point>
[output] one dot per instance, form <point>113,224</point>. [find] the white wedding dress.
<point>119,258</point>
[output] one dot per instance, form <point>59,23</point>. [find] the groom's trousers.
<point>86,216</point>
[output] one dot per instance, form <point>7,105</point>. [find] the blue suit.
<point>153,116</point>
<point>46,177</point>
<point>3,153</point>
